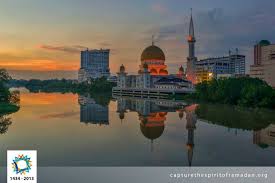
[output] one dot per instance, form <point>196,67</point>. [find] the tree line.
<point>249,92</point>
<point>100,85</point>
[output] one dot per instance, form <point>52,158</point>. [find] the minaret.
<point>191,38</point>
<point>191,59</point>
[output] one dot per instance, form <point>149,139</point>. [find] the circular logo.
<point>22,164</point>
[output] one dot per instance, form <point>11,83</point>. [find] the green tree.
<point>4,91</point>
<point>5,122</point>
<point>4,76</point>
<point>237,91</point>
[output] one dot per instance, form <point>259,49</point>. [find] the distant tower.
<point>191,59</point>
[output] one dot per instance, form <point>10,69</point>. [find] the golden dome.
<point>151,132</point>
<point>152,53</point>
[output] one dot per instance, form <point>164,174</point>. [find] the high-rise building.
<point>94,64</point>
<point>231,65</point>
<point>264,62</point>
<point>191,59</point>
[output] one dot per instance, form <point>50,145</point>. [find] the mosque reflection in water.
<point>169,132</point>
<point>151,114</point>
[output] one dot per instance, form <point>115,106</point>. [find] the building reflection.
<point>91,112</point>
<point>191,120</point>
<point>152,116</point>
<point>151,113</point>
<point>265,137</point>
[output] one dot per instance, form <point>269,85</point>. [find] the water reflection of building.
<point>265,137</point>
<point>152,113</point>
<point>152,126</point>
<point>191,120</point>
<point>93,113</point>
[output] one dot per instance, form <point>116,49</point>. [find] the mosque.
<point>153,77</point>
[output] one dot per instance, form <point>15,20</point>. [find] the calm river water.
<point>73,130</point>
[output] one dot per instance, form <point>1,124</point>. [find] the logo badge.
<point>22,166</point>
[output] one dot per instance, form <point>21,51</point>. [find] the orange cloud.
<point>38,65</point>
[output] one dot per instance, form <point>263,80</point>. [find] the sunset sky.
<point>47,35</point>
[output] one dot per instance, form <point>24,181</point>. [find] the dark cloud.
<point>75,49</point>
<point>217,31</point>
<point>69,49</point>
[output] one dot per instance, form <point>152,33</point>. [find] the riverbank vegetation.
<point>248,92</point>
<point>9,101</point>
<point>100,85</point>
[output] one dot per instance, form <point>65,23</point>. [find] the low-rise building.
<point>232,65</point>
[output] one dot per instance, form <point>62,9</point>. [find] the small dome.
<point>121,115</point>
<point>181,69</point>
<point>122,68</point>
<point>152,53</point>
<point>264,43</point>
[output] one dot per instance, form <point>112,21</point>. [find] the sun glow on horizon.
<point>39,65</point>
